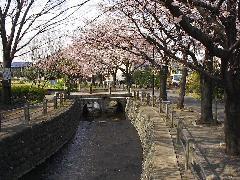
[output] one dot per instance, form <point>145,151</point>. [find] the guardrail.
<point>183,135</point>
<point>25,114</point>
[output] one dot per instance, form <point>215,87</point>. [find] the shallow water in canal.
<point>107,148</point>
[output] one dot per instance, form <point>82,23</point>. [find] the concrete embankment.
<point>29,145</point>
<point>159,159</point>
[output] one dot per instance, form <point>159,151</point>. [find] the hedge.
<point>21,94</point>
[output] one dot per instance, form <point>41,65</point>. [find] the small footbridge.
<point>101,100</point>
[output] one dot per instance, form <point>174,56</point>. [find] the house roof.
<point>20,64</point>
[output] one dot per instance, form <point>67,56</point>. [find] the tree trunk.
<point>163,82</point>
<point>6,92</point>
<point>153,84</point>
<point>182,93</point>
<point>114,75</point>
<point>6,85</point>
<point>232,113</point>
<point>206,88</point>
<point>101,80</point>
<point>93,80</point>
<point>128,79</point>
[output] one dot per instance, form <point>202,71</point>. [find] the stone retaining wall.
<point>31,144</point>
<point>159,158</point>
<point>144,126</point>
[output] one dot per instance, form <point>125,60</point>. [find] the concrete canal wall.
<point>29,145</point>
<point>159,158</point>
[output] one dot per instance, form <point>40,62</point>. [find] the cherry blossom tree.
<point>110,48</point>
<point>21,21</point>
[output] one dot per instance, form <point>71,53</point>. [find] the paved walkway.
<point>210,142</point>
<point>165,162</point>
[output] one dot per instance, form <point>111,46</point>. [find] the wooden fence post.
<point>142,96</point>
<point>216,110</point>
<point>188,152</point>
<point>160,105</point>
<point>134,95</point>
<point>26,113</point>
<point>172,119</point>
<point>167,109</point>
<point>61,99</point>
<point>110,90</point>
<point>55,102</point>
<point>179,130</point>
<point>153,101</point>
<point>1,119</point>
<point>148,99</point>
<point>137,95</point>
<point>45,106</point>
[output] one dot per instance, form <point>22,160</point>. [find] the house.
<point>16,68</point>
<point>20,65</point>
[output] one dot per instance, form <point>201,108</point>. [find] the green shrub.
<point>22,94</point>
<point>193,84</point>
<point>60,84</point>
<point>144,78</point>
<point>218,92</point>
<point>193,87</point>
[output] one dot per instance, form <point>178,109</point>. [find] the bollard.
<point>26,113</point>
<point>55,102</point>
<point>45,106</point>
<point>188,153</point>
<point>172,119</point>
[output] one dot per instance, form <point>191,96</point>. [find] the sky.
<point>87,12</point>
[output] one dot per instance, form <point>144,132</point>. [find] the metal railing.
<point>27,113</point>
<point>183,135</point>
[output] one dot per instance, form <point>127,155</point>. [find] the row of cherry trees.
<point>202,35</point>
<point>99,49</point>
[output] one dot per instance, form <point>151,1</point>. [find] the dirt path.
<point>105,149</point>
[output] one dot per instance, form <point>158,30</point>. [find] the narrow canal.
<point>106,147</point>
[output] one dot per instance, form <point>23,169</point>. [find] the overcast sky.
<point>88,12</point>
